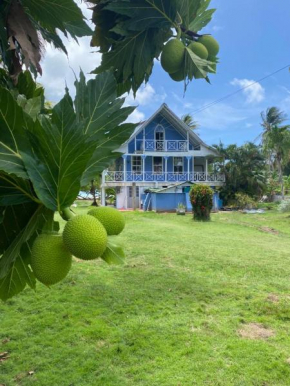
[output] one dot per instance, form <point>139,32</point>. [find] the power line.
<point>237,91</point>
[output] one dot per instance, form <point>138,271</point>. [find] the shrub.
<point>201,201</point>
<point>243,201</point>
<point>284,207</point>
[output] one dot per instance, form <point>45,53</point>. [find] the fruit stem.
<point>178,30</point>
<point>67,214</point>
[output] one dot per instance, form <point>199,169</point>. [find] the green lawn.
<point>171,316</point>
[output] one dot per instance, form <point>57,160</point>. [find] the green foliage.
<point>201,200</point>
<point>245,170</point>
<point>243,201</point>
<point>131,34</point>
<point>46,158</point>
<point>22,23</point>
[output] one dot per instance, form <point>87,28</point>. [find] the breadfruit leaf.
<point>13,139</point>
<point>101,115</point>
<point>64,15</point>
<point>60,154</point>
<point>114,253</point>
<point>15,190</point>
<point>16,279</point>
<point>132,33</point>
<point>19,232</point>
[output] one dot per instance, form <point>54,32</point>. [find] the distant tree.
<point>244,168</point>
<point>276,141</point>
<point>189,121</point>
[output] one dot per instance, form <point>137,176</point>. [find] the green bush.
<point>201,201</point>
<point>243,201</point>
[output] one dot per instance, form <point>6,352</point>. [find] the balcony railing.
<point>166,145</point>
<point>162,177</point>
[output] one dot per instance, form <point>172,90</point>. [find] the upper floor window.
<point>159,138</point>
<point>137,164</point>
<point>178,164</point>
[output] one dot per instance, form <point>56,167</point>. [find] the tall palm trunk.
<point>280,171</point>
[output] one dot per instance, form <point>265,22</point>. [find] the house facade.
<point>162,153</point>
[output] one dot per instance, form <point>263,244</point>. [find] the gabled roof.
<point>165,111</point>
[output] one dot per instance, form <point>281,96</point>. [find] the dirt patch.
<point>273,298</point>
<point>269,230</point>
<point>255,331</point>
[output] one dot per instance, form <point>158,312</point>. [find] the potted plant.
<point>180,210</point>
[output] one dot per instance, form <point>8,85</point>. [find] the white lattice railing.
<point>166,145</point>
<point>110,176</point>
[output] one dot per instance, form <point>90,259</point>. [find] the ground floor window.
<point>137,164</point>
<point>178,165</point>
<point>131,191</point>
<point>157,165</point>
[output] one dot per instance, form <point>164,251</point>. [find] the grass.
<point>171,316</point>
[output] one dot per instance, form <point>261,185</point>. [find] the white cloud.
<point>59,69</point>
<point>146,95</point>
<point>253,91</point>
<point>136,116</point>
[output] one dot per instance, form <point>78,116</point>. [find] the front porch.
<point>197,177</point>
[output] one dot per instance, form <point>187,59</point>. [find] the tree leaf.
<point>64,15</point>
<point>114,253</point>
<point>131,34</point>
<point>61,153</point>
<point>12,135</point>
<point>13,250</point>
<point>102,115</point>
<point>16,279</point>
<point>203,16</point>
<point>14,190</point>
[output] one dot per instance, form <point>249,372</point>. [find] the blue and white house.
<point>163,154</point>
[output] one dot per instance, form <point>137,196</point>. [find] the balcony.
<point>109,176</point>
<point>150,145</point>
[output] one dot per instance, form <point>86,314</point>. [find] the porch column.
<point>166,168</point>
<point>187,145</point>
<point>103,196</point>
<point>143,165</point>
<point>124,156</point>
<point>188,167</point>
<point>206,168</point>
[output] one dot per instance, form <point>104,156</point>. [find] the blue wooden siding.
<point>171,134</point>
<point>149,164</point>
<point>168,202</point>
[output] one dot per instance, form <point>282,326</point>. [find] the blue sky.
<point>254,37</point>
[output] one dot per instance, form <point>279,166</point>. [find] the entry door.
<point>130,197</point>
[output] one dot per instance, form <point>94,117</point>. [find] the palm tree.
<point>276,140</point>
<point>189,121</point>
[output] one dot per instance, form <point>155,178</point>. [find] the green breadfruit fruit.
<point>172,56</point>
<point>85,237</point>
<point>211,44</point>
<point>50,259</point>
<point>213,59</point>
<point>199,50</point>
<point>112,220</point>
<point>178,76</point>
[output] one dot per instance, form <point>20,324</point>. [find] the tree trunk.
<point>281,181</point>
<point>93,192</point>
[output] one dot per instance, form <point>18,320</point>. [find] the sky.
<point>254,38</point>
